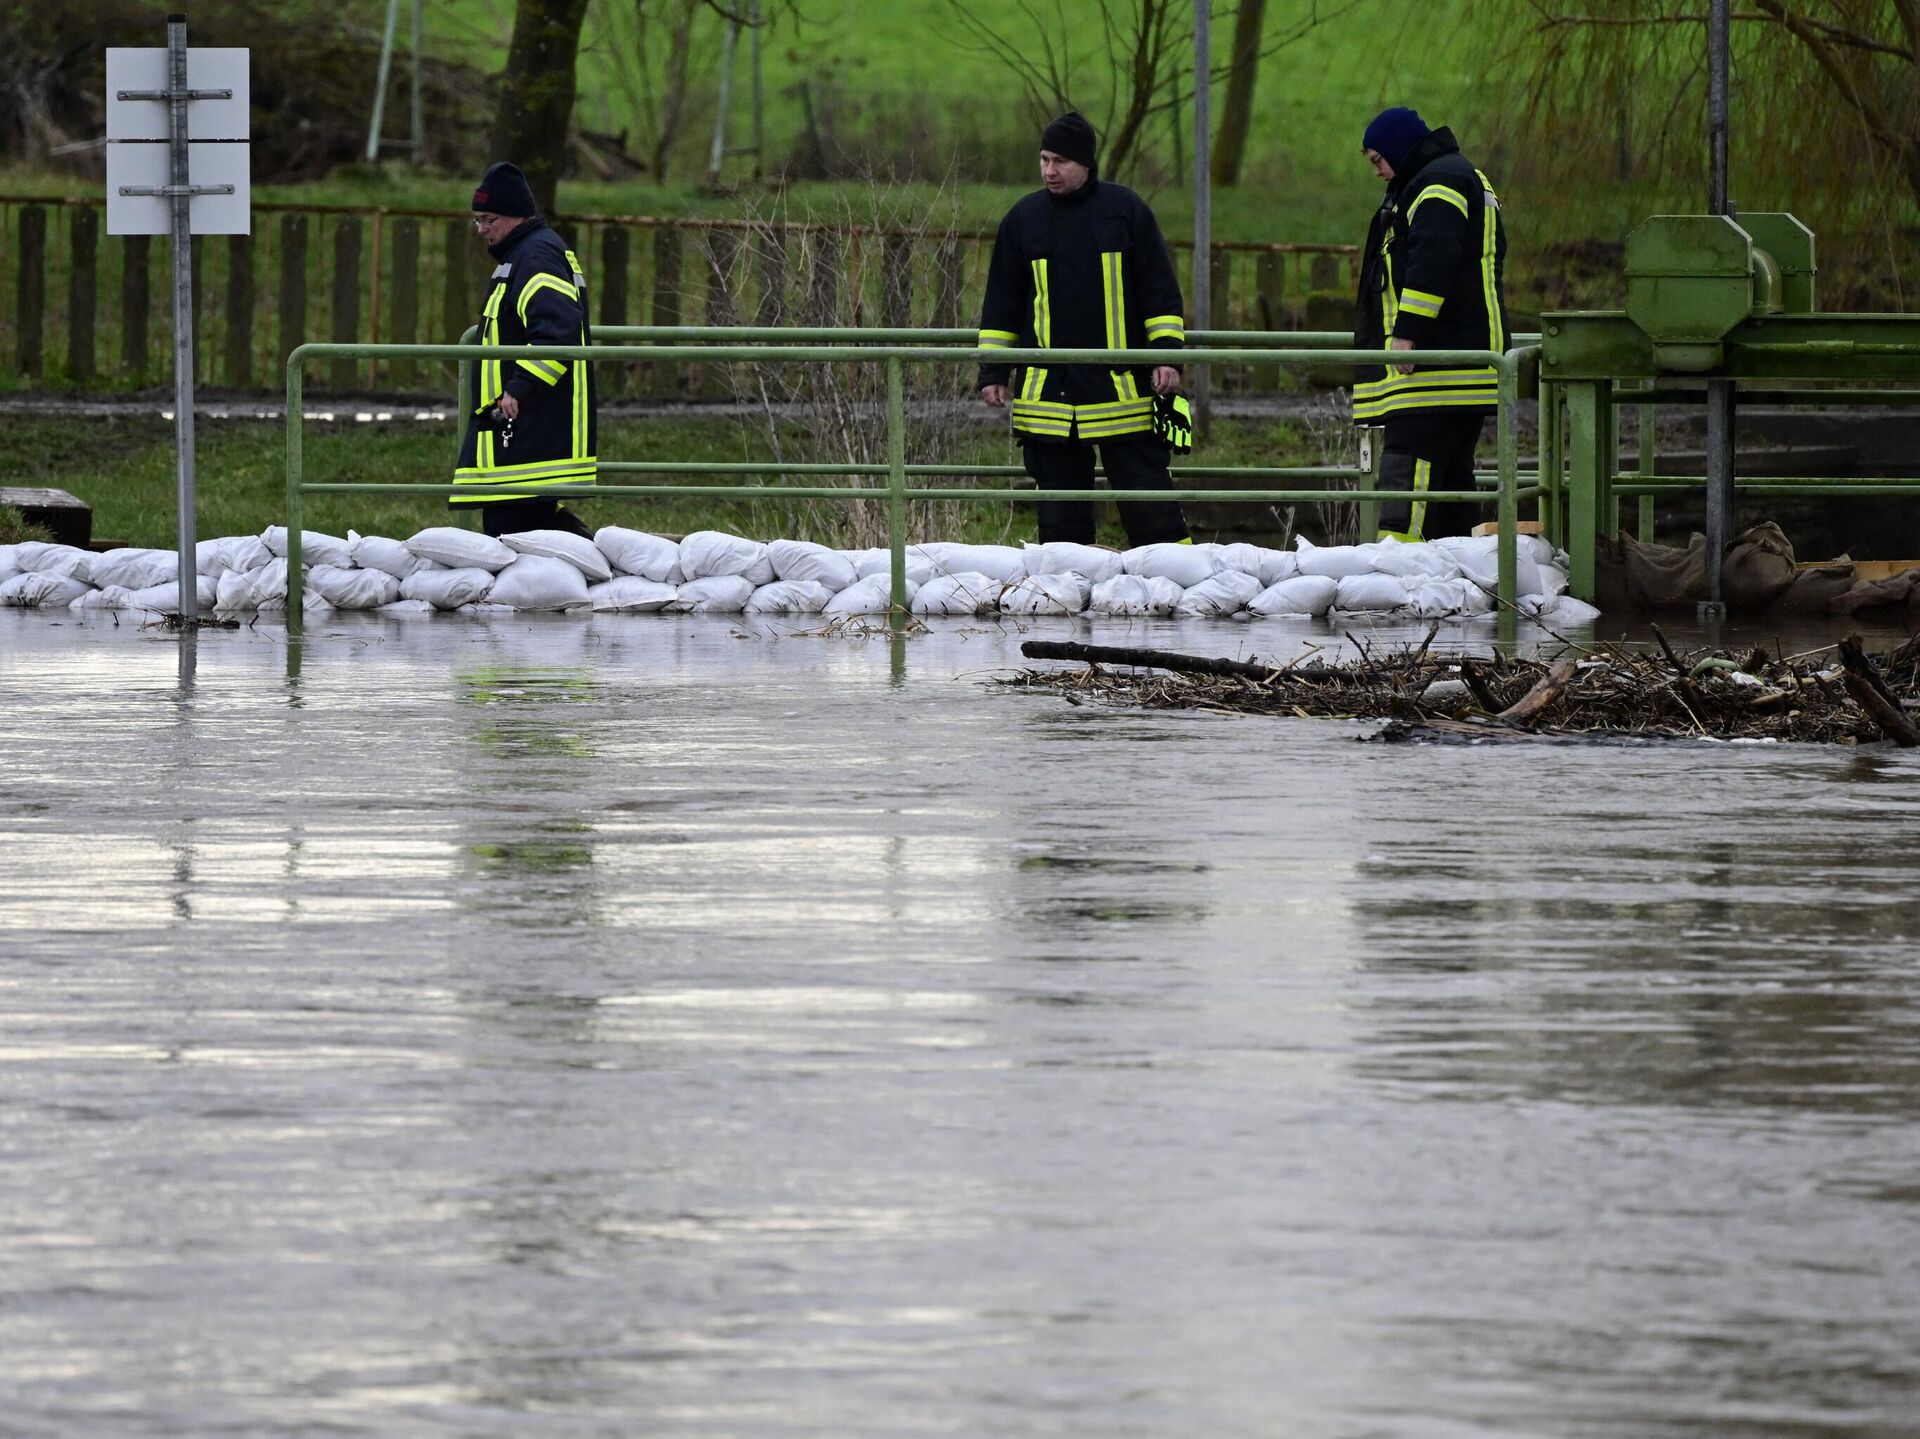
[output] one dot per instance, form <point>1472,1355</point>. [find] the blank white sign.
<point>217,68</point>
<point>138,164</point>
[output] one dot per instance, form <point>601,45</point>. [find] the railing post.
<point>897,482</point>
<point>295,477</point>
<point>1508,545</point>
<point>82,282</point>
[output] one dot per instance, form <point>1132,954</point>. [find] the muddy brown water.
<point>649,1026</point>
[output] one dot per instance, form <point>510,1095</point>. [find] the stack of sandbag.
<point>624,571</point>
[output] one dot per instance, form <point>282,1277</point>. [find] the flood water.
<point>652,1026</point>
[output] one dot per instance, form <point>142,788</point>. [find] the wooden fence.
<point>79,310</point>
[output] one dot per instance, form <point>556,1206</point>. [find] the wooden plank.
<point>947,279</point>
<point>1220,287</point>
<point>240,310</point>
<point>30,306</point>
<point>403,327</point>
<point>896,281</point>
<point>770,276</point>
<point>664,379</point>
<point>293,286</point>
<point>1270,311</point>
<point>83,281</point>
<point>136,302</point>
<point>347,231</point>
<point>66,517</point>
<point>822,302</point>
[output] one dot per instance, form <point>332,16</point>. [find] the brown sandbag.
<point>1813,591</point>
<point>1660,577</point>
<point>1894,592</point>
<point>1758,568</point>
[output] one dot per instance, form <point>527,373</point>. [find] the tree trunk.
<point>673,102</point>
<point>1236,118</point>
<point>536,92</point>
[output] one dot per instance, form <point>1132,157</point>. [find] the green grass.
<point>123,468</point>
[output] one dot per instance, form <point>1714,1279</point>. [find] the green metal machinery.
<point>1717,306</point>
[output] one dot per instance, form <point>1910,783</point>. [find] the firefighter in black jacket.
<point>1081,265</point>
<point>1431,278</point>
<point>530,421</point>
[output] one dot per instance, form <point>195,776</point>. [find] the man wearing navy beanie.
<point>1432,277</point>
<point>531,423</point>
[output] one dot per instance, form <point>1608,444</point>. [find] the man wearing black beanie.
<point>531,422</point>
<point>1080,264</point>
<point>1432,277</point>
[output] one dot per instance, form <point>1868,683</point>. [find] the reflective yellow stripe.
<point>1421,302</point>
<point>1439,192</point>
<point>1042,308</point>
<point>1389,302</point>
<point>996,339</point>
<point>548,371</point>
<point>1162,327</point>
<point>1422,482</point>
<point>536,285</point>
<point>1488,256</point>
<point>1400,535</point>
<point>1393,404</point>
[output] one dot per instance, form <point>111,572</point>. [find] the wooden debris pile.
<point>1835,695</point>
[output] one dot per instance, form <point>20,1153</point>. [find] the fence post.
<point>240,310</point>
<point>405,329</point>
<point>346,294</point>
<point>615,251</point>
<point>1220,289</point>
<point>770,265</point>
<point>293,284</point>
<point>1508,548</point>
<point>664,379</point>
<point>32,306</point>
<point>1270,281</point>
<point>457,305</point>
<point>896,281</point>
<point>823,295</point>
<point>946,285</point>
<point>897,484</point>
<point>82,282</point>
<point>295,476</point>
<point>135,301</point>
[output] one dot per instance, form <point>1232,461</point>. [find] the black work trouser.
<point>511,517</point>
<point>1430,450</point>
<point>1134,462</point>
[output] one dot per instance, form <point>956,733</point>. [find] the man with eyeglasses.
<point>531,422</point>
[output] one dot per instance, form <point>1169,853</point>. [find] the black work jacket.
<point>538,296</point>
<point>1087,270</point>
<point>1433,272</point>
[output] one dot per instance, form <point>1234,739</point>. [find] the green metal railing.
<point>896,349</point>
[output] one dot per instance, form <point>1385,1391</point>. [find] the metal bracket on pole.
<point>172,190</point>
<point>169,94</point>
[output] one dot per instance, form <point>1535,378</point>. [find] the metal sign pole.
<point>1203,200</point>
<point>180,198</point>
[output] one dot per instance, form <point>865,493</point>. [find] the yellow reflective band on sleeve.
<point>1166,327</point>
<point>1400,535</point>
<point>997,339</point>
<point>1489,256</point>
<point>536,285</point>
<point>1422,482</point>
<point>1389,300</point>
<point>549,372</point>
<point>1421,302</point>
<point>1439,192</point>
<point>1187,541</point>
<point>1042,308</point>
<point>1113,295</point>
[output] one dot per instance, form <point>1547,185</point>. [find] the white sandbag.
<point>1226,593</point>
<point>967,593</point>
<point>870,596</point>
<point>459,549</point>
<point>629,594</point>
<point>1415,561</point>
<point>315,547</point>
<point>230,552</point>
<point>136,569</point>
<point>390,557</point>
<point>7,554</point>
<point>113,597</point>
<point>1536,547</point>
<point>1243,557</point>
<point>713,595</point>
<point>1186,565</point>
<point>996,562</point>
<point>539,582</point>
<point>311,605</point>
<point>1370,593</point>
<point>38,557</point>
<point>1060,557</point>
<point>1275,566</point>
<point>448,589</point>
<point>708,554</point>
<point>804,560</point>
<point>354,589</point>
<point>635,552</point>
<point>866,563</point>
<point>42,589</point>
<point>244,591</point>
<point>486,609</point>
<point>165,599</point>
<point>1062,594</point>
<point>7,572</point>
<point>1431,597</point>
<point>407,609</point>
<point>1479,559</point>
<point>1296,595</point>
<point>1135,595</point>
<point>577,550</point>
<point>1553,581</point>
<point>789,597</point>
<point>1335,562</point>
<point>1560,611</point>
